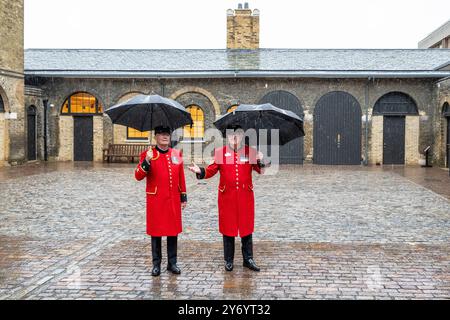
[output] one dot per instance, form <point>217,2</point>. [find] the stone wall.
<point>376,143</point>
<point>412,125</point>
<point>12,144</point>
<point>65,141</point>
<point>242,29</point>
<point>98,138</point>
<point>11,35</point>
<point>214,96</point>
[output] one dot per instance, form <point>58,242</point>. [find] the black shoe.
<point>174,269</point>
<point>229,266</point>
<point>156,271</point>
<point>251,265</point>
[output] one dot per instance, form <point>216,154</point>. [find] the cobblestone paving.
<point>78,231</point>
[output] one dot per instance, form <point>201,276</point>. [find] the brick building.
<point>438,39</point>
<point>12,113</point>
<point>359,105</point>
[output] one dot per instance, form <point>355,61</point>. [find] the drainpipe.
<point>45,129</point>
<point>366,131</point>
<point>163,87</point>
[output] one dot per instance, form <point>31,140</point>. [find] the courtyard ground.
<point>77,231</point>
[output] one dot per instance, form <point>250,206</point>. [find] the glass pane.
<point>83,103</point>
<point>198,128</point>
<point>136,134</point>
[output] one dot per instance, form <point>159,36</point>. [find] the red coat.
<point>236,199</point>
<point>165,187</point>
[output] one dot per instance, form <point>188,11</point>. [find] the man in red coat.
<point>166,197</point>
<point>235,162</point>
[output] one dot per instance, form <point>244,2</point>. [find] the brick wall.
<point>412,125</point>
<point>12,131</point>
<point>65,139</point>
<point>242,30</point>
<point>376,143</point>
<point>11,35</point>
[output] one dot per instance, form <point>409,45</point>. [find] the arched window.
<point>198,128</point>
<point>395,104</point>
<point>232,108</point>
<point>82,103</point>
<point>2,105</point>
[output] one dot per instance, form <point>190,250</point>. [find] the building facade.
<point>359,106</point>
<point>12,114</point>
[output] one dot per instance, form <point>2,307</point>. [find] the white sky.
<point>167,24</point>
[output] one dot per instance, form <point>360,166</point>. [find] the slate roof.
<point>230,63</point>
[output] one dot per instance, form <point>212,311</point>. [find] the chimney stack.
<point>243,28</point>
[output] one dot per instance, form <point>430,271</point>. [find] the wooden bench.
<point>130,151</point>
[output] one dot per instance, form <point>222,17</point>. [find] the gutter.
<point>237,74</point>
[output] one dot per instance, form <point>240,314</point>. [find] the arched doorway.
<point>31,133</point>
<point>394,107</point>
<point>446,114</point>
<point>83,107</point>
<point>292,152</point>
<point>337,130</point>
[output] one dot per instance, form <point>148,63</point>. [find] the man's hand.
<point>149,155</point>
<point>183,205</point>
<point>194,168</point>
<point>259,156</point>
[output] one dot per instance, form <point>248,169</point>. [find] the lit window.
<point>197,130</point>
<point>82,103</point>
<point>133,134</point>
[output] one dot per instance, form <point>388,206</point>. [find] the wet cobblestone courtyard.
<point>78,231</point>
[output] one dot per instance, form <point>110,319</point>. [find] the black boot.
<point>156,256</point>
<point>172,255</point>
<point>228,252</point>
<point>247,253</point>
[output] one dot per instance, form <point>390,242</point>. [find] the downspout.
<point>162,87</point>
<point>45,129</point>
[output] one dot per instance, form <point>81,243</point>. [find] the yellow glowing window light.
<point>198,128</point>
<point>136,134</point>
<point>82,103</point>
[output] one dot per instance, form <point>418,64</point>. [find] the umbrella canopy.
<point>264,116</point>
<point>146,112</point>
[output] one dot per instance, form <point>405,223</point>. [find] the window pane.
<point>83,103</point>
<point>198,128</point>
<point>136,134</point>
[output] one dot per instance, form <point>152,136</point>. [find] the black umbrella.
<point>146,112</point>
<point>264,116</point>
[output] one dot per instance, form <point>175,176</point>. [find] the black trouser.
<point>228,248</point>
<point>171,250</point>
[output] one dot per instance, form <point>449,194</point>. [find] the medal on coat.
<point>244,159</point>
<point>175,160</point>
